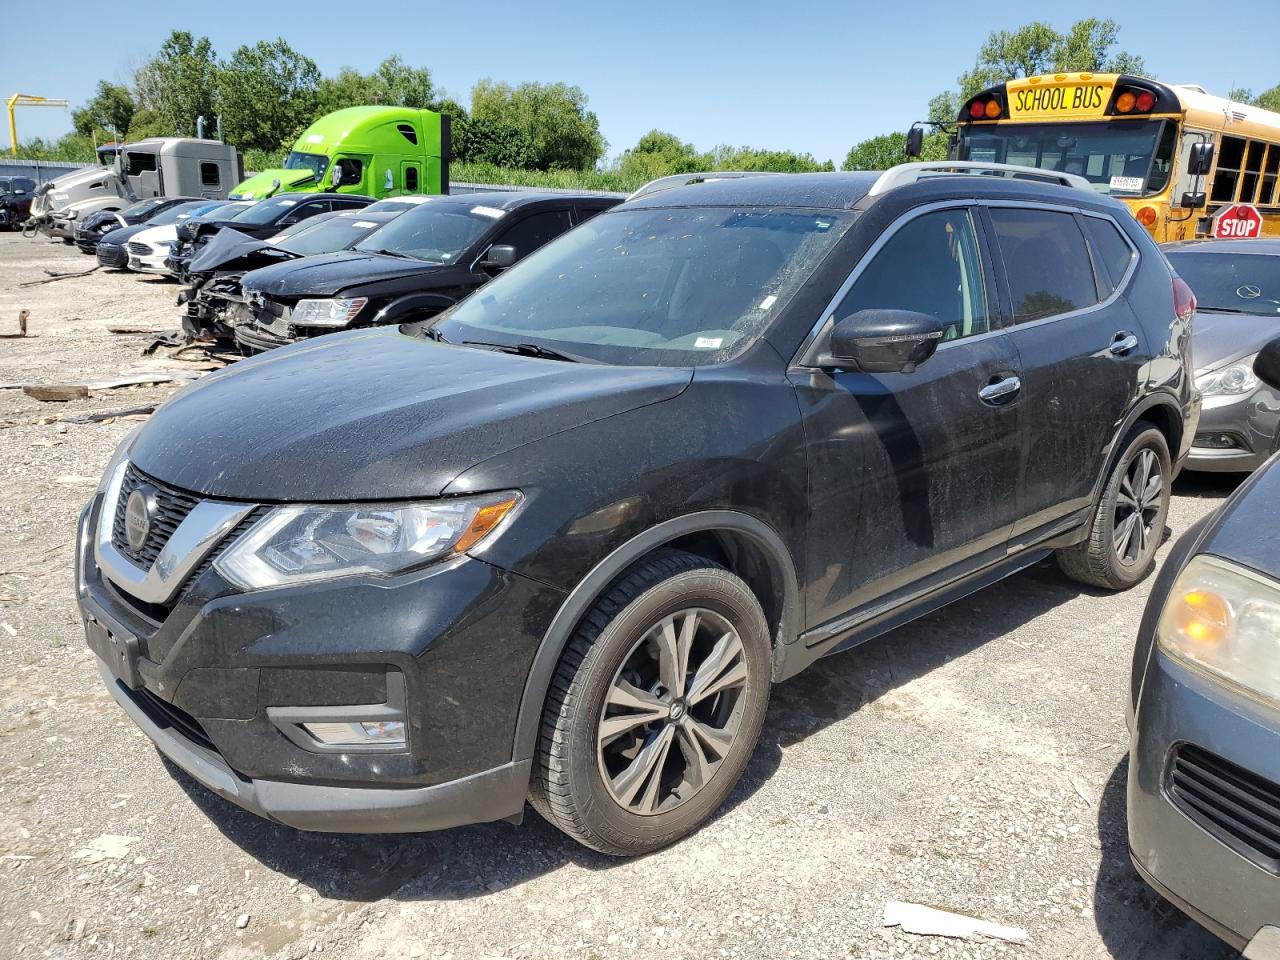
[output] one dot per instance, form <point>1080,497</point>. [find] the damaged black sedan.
<point>215,300</point>
<point>95,226</point>
<point>425,260</point>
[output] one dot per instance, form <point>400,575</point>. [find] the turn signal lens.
<point>486,519</point>
<point>1203,617</point>
<point>977,109</point>
<point>1184,301</point>
<point>1125,102</point>
<point>1146,216</point>
<point>992,109</point>
<point>1145,100</point>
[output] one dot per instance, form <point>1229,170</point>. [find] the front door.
<point>1082,351</point>
<point>913,477</point>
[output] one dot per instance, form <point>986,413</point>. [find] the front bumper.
<point>112,255</point>
<point>62,228</point>
<point>209,677</point>
<point>1228,892</point>
<point>1249,423</point>
<point>149,264</point>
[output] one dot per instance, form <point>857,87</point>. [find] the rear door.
<point>1083,353</point>
<point>913,476</point>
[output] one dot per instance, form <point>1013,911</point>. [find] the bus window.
<point>1162,163</point>
<point>1230,158</point>
<point>1269,171</point>
<point>1252,171</point>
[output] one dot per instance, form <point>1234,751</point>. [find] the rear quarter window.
<point>1114,253</point>
<point>1047,262</point>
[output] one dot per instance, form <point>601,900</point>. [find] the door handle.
<point>1122,343</point>
<point>1001,391</point>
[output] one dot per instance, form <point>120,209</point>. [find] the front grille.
<point>139,249</point>
<point>1237,806</point>
<point>165,714</point>
<point>112,255</point>
<point>173,504</point>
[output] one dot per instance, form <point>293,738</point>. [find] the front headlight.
<point>1224,620</point>
<point>296,544</point>
<point>1231,380</point>
<point>327,313</point>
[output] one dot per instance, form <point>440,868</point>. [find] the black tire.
<point>1098,560</point>
<point>569,786</point>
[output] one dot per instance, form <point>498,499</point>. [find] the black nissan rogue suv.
<point>557,543</point>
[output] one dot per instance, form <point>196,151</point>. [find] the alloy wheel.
<point>1137,506</point>
<point>672,711</point>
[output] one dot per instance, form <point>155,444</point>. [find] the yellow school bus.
<point>1176,155</point>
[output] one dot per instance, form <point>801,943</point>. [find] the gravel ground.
<point>974,760</point>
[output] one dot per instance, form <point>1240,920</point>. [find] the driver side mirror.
<point>883,341</point>
<point>345,173</point>
<point>499,257</point>
<point>1267,364</point>
<point>915,142</point>
<point>1200,160</point>
<point>1193,201</point>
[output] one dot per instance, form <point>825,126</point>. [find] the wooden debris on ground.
<point>56,392</point>
<point>57,276</point>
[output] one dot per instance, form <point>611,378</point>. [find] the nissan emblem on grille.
<point>138,511</point>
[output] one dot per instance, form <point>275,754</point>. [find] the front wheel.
<point>655,707</point>
<point>1128,524</point>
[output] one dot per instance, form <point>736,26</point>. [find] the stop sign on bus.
<point>1240,221</point>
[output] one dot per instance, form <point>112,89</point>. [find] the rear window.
<point>1113,250</point>
<point>1047,261</point>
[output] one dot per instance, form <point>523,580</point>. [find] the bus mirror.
<point>1193,201</point>
<point>1201,159</point>
<point>915,141</point>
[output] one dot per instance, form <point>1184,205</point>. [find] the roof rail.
<point>906,173</point>
<point>674,180</point>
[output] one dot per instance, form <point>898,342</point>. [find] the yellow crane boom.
<point>27,100</point>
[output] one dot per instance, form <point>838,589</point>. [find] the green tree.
<point>393,84</point>
<point>179,84</point>
<point>111,109</point>
<point>1267,99</point>
<point>548,123</point>
<point>660,154</point>
<point>777,161</point>
<point>883,152</point>
<point>266,94</point>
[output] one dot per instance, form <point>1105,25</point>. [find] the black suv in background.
<point>558,544</point>
<point>425,260</point>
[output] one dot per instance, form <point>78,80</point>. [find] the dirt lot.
<point>974,760</point>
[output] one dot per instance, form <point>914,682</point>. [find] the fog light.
<point>1215,441</point>
<point>339,734</point>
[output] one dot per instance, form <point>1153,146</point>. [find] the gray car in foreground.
<point>1237,288</point>
<point>1204,713</point>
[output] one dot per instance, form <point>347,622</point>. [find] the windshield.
<point>180,211</point>
<point>141,208</point>
<point>396,204</point>
<point>1248,283</point>
<point>264,211</point>
<point>1120,158</point>
<point>437,233</point>
<point>327,236</point>
<point>671,287</point>
<point>316,163</point>
<point>5,186</point>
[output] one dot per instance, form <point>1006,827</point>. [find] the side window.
<point>1047,262</point>
<point>1267,196</point>
<point>1113,252</point>
<point>210,175</point>
<point>532,232</point>
<point>411,179</point>
<point>1252,170</point>
<point>931,265</point>
<point>586,213</point>
<point>338,203</point>
<point>1230,160</point>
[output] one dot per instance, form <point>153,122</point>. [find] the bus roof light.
<point>1125,102</point>
<point>1145,101</point>
<point>992,109</point>
<point>977,109</point>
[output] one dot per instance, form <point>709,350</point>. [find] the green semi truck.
<point>375,151</point>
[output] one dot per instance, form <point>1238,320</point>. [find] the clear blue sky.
<point>813,77</point>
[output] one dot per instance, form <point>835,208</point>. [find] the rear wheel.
<point>1128,525</point>
<point>655,707</point>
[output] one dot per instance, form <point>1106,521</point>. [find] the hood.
<point>1246,530</point>
<point>123,235</point>
<point>263,184</point>
<point>229,250</point>
<point>375,414</point>
<point>1218,339</point>
<point>163,234</point>
<point>330,273</point>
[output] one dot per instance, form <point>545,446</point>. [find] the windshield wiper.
<point>391,253</point>
<point>433,333</point>
<point>527,350</point>
<point>1201,307</point>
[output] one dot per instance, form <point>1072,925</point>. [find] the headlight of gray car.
<point>1224,620</point>
<point>297,544</point>
<point>1232,380</point>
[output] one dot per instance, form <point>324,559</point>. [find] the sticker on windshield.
<point>708,343</point>
<point>287,203</point>
<point>493,212</point>
<point>1126,184</point>
<point>366,224</point>
<point>768,302</point>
